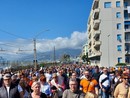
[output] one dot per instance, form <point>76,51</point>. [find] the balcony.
<point>96,44</point>
<point>96,33</point>
<point>89,46</point>
<point>95,4</point>
<point>127,30</point>
<point>127,52</point>
<point>90,54</point>
<point>89,42</point>
<point>94,54</point>
<point>96,13</point>
<point>97,53</point>
<point>127,40</point>
<point>96,24</point>
<point>89,28</point>
<point>127,18</point>
<point>89,35</point>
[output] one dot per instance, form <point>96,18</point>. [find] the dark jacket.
<point>13,92</point>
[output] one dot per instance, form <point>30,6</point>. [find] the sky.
<point>59,23</point>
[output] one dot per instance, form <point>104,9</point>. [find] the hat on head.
<point>7,76</point>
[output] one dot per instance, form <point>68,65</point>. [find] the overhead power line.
<point>40,33</point>
<point>17,36</point>
<point>8,45</point>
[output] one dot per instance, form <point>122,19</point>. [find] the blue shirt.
<point>45,88</point>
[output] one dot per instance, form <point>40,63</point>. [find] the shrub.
<point>121,64</point>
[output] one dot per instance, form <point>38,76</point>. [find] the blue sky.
<point>65,19</point>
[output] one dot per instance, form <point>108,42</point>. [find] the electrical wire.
<point>11,34</point>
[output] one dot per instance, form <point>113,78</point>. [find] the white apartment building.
<point>84,49</point>
<point>109,32</point>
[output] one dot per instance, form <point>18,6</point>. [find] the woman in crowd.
<point>34,78</point>
<point>36,91</point>
<point>122,90</point>
<point>57,85</point>
<point>45,87</point>
<point>23,84</point>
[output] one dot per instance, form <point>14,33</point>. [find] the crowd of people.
<point>66,81</point>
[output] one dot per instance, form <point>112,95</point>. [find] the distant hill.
<point>48,56</point>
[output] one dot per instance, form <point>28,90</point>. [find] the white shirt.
<point>105,83</point>
<point>48,76</point>
<point>7,87</point>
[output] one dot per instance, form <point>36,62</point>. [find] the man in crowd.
<point>73,92</point>
<point>74,75</point>
<point>88,84</point>
<point>105,84</point>
<point>8,89</point>
<point>96,73</point>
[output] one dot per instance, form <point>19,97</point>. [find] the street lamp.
<point>35,48</point>
<point>108,51</point>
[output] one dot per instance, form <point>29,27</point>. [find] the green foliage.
<point>121,64</point>
<point>85,58</point>
<point>41,65</point>
<point>65,58</point>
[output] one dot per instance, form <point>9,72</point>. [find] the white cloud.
<point>25,46</point>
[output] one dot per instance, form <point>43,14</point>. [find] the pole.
<point>54,56</point>
<point>35,54</point>
<point>35,50</point>
<point>108,52</point>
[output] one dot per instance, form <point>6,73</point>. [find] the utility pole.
<point>54,56</point>
<point>35,50</point>
<point>35,54</point>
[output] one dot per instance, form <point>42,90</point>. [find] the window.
<point>118,4</point>
<point>118,26</point>
<point>119,37</point>
<point>127,59</point>
<point>126,15</point>
<point>118,15</point>
<point>127,37</point>
<point>107,5</point>
<point>127,48</point>
<point>119,59</point>
<point>125,4</point>
<point>119,47</point>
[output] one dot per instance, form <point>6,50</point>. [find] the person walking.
<point>8,89</point>
<point>122,90</point>
<point>36,91</point>
<point>73,92</point>
<point>105,84</point>
<point>88,84</point>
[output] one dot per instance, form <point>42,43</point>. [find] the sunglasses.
<point>126,78</point>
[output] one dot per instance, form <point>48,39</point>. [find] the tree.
<point>85,58</point>
<point>65,58</point>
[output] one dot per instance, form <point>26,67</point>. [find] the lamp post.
<point>35,54</point>
<point>35,49</point>
<point>108,51</point>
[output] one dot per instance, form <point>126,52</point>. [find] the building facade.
<point>109,32</point>
<point>84,49</point>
